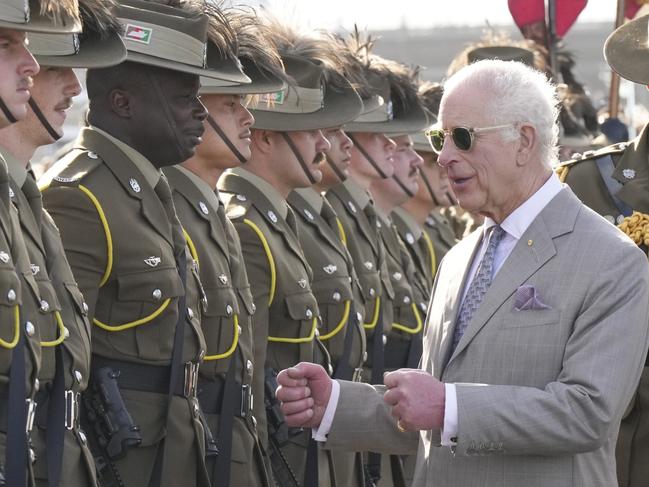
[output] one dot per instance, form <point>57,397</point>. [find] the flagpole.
<point>552,37</point>
<point>614,90</point>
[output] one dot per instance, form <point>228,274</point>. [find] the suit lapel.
<point>533,250</point>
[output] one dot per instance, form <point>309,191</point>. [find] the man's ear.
<point>264,140</point>
<point>121,103</point>
<point>528,141</point>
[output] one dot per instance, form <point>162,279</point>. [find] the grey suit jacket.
<point>540,392</point>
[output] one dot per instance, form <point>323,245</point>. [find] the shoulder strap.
<point>606,168</point>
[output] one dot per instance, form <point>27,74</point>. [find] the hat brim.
<point>42,24</point>
<point>94,52</point>
<point>339,108</point>
<point>626,51</point>
<point>414,120</point>
<point>420,142</point>
<point>140,58</point>
<point>261,82</point>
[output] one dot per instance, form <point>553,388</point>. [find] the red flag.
<point>527,12</point>
<point>631,7</point>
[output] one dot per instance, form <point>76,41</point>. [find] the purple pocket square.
<point>526,298</point>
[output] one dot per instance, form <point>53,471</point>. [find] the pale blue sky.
<point>385,14</point>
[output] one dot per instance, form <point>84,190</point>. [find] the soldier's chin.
<point>317,175</point>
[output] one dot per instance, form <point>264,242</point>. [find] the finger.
<point>308,371</point>
<point>299,420</point>
<point>295,407</point>
<point>288,394</point>
<point>396,411</point>
<point>391,379</point>
<point>285,378</point>
<point>392,396</point>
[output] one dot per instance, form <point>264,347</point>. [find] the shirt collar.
<point>410,222</point>
<point>274,197</point>
<point>312,197</point>
<point>149,171</point>
<point>208,193</point>
<point>522,217</point>
<point>361,197</point>
<point>17,172</point>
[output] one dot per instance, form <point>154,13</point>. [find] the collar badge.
<point>152,261</point>
<point>135,186</point>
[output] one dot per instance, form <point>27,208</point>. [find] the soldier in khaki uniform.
<point>335,283</point>
<point>128,254</point>
<point>226,385</point>
<point>613,182</point>
<point>27,321</point>
<point>287,147</point>
<point>424,230</point>
<point>65,331</point>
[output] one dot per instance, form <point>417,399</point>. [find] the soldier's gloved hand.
<point>304,391</point>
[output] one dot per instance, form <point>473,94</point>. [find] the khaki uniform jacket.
<point>119,241</point>
<point>60,315</point>
<point>403,347</point>
<point>359,227</point>
<point>227,321</point>
<point>335,284</point>
<point>632,172</point>
<point>520,423</point>
<point>286,317</point>
<point>19,302</point>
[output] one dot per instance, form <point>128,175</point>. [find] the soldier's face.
<point>406,163</point>
<point>339,154</point>
<point>235,120</point>
<point>17,66</point>
<point>380,148</point>
<point>485,179</point>
<point>53,91</point>
<point>312,145</point>
<point>168,117</point>
<point>437,178</point>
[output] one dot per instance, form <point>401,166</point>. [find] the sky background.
<point>389,14</point>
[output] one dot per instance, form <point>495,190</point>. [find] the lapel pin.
<point>330,269</point>
<point>530,243</point>
<point>241,197</point>
<point>223,278</point>
<point>272,216</point>
<point>302,283</point>
<point>368,265</point>
<point>4,257</point>
<point>134,185</point>
<point>203,207</point>
<point>410,238</point>
<point>152,261</point>
<point>351,206</point>
<point>308,214</point>
<point>628,173</point>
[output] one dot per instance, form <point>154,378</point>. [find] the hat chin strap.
<point>167,111</point>
<point>429,188</point>
<point>43,120</point>
<point>339,174</point>
<point>226,139</point>
<point>369,158</point>
<point>7,113</point>
<point>299,157</point>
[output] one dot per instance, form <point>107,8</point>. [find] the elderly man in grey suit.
<point>537,330</point>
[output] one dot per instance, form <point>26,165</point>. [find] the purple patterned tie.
<point>479,285</point>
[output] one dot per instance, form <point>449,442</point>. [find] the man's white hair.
<point>513,93</point>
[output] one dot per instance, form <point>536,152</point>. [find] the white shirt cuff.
<point>449,430</point>
<point>320,433</point>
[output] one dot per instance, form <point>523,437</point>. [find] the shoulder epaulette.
<point>236,206</point>
<point>594,154</point>
<point>71,169</point>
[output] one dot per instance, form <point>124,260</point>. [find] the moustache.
<point>25,83</point>
<point>64,105</point>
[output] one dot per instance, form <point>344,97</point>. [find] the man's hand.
<point>304,391</point>
<point>417,399</point>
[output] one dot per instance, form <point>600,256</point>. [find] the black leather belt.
<point>210,396</point>
<point>150,378</point>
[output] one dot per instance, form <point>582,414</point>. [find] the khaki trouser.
<point>632,452</point>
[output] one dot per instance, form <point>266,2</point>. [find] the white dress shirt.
<point>514,226</point>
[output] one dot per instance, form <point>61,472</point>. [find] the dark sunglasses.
<point>463,137</point>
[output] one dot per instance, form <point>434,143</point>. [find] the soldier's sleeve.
<point>83,238</point>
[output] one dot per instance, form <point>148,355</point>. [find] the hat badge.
<point>135,186</point>
<point>628,173</point>
<point>203,207</point>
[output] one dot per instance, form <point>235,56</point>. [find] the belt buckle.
<point>31,414</point>
<point>357,376</point>
<point>191,379</point>
<point>246,400</point>
<point>71,409</point>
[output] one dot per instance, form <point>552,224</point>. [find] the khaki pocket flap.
<point>152,286</point>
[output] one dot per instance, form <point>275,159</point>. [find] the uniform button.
<point>85,307</point>
<point>92,155</point>
<point>248,365</point>
<point>157,294</point>
<point>239,330</point>
<point>37,384</point>
<point>195,408</point>
<point>30,329</point>
<point>82,437</point>
<point>336,296</point>
<point>406,300</point>
<point>253,307</point>
<point>190,313</point>
<point>32,455</point>
<point>254,421</point>
<point>330,369</point>
<point>364,356</point>
<point>66,332</point>
<point>317,332</point>
<point>359,317</point>
<point>11,295</point>
<point>309,314</point>
<point>201,355</point>
<point>45,306</point>
<point>372,292</point>
<point>385,339</point>
<point>228,310</point>
<point>78,376</point>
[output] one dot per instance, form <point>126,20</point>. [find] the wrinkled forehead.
<point>464,105</point>
<point>12,35</point>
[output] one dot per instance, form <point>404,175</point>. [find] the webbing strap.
<point>299,158</point>
<point>606,168</point>
<point>16,457</point>
<point>43,120</point>
<point>226,139</point>
<point>369,158</point>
